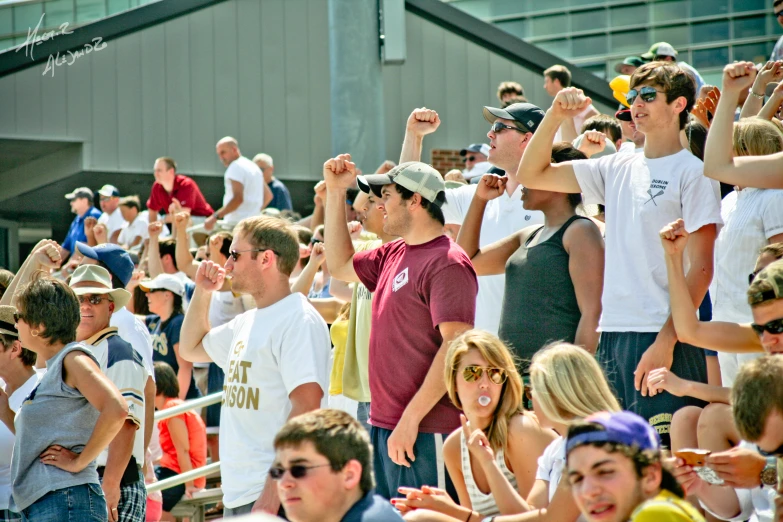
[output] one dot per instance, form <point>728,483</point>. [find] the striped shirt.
<point>482,502</point>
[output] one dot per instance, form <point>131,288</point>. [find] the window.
<point>706,58</point>
<point>676,35</point>
<point>89,10</point>
<point>711,8</point>
<point>589,45</point>
<point>118,6</point>
<point>536,5</point>
<point>508,7</point>
<point>26,17</point>
<point>59,12</point>
<point>6,21</point>
<point>710,31</point>
<point>748,5</point>
<point>630,42</point>
<point>595,19</point>
<point>751,27</point>
<point>549,25</point>
<point>557,47</point>
<point>754,52</point>
<point>670,11</point>
<point>518,28</point>
<point>633,15</point>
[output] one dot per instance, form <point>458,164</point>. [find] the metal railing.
<point>192,404</point>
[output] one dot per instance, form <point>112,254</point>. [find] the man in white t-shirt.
<point>276,357</point>
<point>475,158</point>
<point>504,215</point>
<point>642,193</point>
<point>111,216</point>
<point>246,193</point>
<point>134,231</point>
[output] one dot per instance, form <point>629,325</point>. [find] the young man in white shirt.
<point>111,216</point>
<point>276,357</point>
<point>641,192</point>
<point>246,193</point>
<point>134,231</point>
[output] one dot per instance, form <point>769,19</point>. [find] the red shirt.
<point>197,439</point>
<point>185,191</point>
<point>416,288</point>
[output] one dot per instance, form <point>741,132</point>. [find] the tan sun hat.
<point>100,283</point>
<point>7,323</point>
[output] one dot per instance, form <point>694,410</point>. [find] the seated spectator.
<point>169,187</point>
<point>323,470</point>
<point>483,382</point>
<point>508,90</point>
<point>110,218</point>
<point>614,466</point>
<point>134,231</point>
<point>281,198</point>
<point>81,205</point>
<point>474,156</point>
<point>183,440</point>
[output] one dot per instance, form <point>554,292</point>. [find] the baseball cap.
<point>767,285</point>
<point>99,282</point>
<point>7,323</point>
<point>168,282</point>
<point>413,175</point>
<point>660,49</point>
<point>621,427</point>
<point>623,114</point>
<point>81,192</point>
<point>109,191</point>
<point>481,148</point>
<point>634,61</point>
<point>526,115</point>
<point>114,257</point>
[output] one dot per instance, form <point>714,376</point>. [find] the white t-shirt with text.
<point>266,354</point>
<point>250,176</point>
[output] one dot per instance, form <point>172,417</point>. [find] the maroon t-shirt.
<point>416,288</point>
<point>185,191</point>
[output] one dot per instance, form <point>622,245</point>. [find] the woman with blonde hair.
<point>492,459</point>
<point>567,385</point>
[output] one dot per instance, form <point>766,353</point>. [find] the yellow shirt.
<point>666,507</point>
<point>339,335</point>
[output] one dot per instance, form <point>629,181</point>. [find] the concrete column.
<point>356,82</point>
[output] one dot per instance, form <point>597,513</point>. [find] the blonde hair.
<point>569,384</point>
<point>756,137</point>
<point>498,356</point>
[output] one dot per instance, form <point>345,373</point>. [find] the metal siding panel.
<point>273,86</point>
<point>104,114</point>
<point>202,92</point>
<point>129,100</point>
<point>479,89</point>
<point>8,114</point>
<point>79,96</point>
<point>395,115</point>
<point>178,106</point>
<point>499,70</point>
<point>153,93</point>
<point>457,104</point>
<point>433,58</point>
<point>297,80</point>
<point>249,76</point>
<point>226,66</point>
<point>413,71</point>
<point>53,104</point>
<point>29,116</point>
<point>319,97</point>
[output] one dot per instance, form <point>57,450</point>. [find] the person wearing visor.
<point>629,65</point>
<point>475,158</point>
<point>664,52</point>
<point>424,285</point>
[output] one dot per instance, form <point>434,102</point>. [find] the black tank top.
<point>539,303</point>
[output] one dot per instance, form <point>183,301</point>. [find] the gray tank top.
<point>53,413</point>
<point>539,303</point>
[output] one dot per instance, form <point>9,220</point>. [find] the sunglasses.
<point>234,254</point>
<point>297,471</point>
<point>94,300</point>
<point>473,373</point>
<point>647,93</point>
<point>779,14</point>
<point>19,317</point>
<point>469,158</point>
<point>774,327</point>
<point>498,127</point>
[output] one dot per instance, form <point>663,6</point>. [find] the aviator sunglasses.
<point>774,327</point>
<point>473,373</point>
<point>647,93</point>
<point>297,471</point>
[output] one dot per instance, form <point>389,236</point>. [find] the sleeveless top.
<point>539,302</point>
<point>482,502</point>
<point>53,413</point>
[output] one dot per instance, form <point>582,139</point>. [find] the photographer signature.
<point>55,61</point>
<point>33,38</point>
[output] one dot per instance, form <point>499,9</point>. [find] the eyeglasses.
<point>94,300</point>
<point>469,158</point>
<point>473,373</point>
<point>498,127</point>
<point>774,327</point>
<point>234,254</point>
<point>779,14</point>
<point>647,93</point>
<point>774,453</point>
<point>19,317</point>
<point>297,471</point>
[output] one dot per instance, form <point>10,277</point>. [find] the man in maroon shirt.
<point>424,290</point>
<point>169,186</point>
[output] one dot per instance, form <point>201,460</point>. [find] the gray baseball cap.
<point>413,175</point>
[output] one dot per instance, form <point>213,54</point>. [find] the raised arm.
<point>536,169</point>
<point>209,278</point>
<point>771,108</point>
<point>719,161</point>
<point>770,72</point>
<point>154,263</point>
<point>421,122</point>
<point>182,252</point>
<point>340,175</point>
<point>44,256</point>
<point>304,282</point>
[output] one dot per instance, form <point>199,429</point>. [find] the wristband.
<point>759,96</point>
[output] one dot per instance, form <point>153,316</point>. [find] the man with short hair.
<point>113,220</point>
<point>629,65</point>
<point>606,124</point>
<point>664,52</point>
<point>424,286</point>
<point>615,471</point>
<point>134,230</point>
<point>474,156</point>
<point>81,205</point>
<point>245,194</point>
<point>557,78</point>
<point>323,470</point>
<point>645,192</point>
<point>119,466</point>
<point>170,186</point>
<point>281,198</point>
<point>508,90</point>
<point>275,357</point>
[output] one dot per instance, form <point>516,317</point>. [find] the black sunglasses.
<point>500,126</point>
<point>648,94</point>
<point>469,158</point>
<point>234,254</point>
<point>297,471</point>
<point>94,300</point>
<point>774,327</point>
<point>779,14</point>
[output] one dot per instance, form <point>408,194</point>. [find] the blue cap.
<point>622,427</point>
<point>116,259</point>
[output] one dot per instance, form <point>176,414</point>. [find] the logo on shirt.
<point>527,217</point>
<point>400,280</point>
<point>657,188</point>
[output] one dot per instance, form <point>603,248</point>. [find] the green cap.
<point>660,49</point>
<point>767,285</point>
<point>634,61</point>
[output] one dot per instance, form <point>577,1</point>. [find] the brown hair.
<point>559,73</point>
<point>168,247</point>
<point>757,392</point>
<point>565,151</point>
<point>131,202</point>
<point>166,382</point>
<point>604,123</point>
<point>273,233</point>
<point>27,357</point>
<point>336,435</point>
<point>509,88</point>
<point>672,79</point>
<point>49,303</point>
<point>170,163</point>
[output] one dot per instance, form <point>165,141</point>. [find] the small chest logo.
<point>657,188</point>
<point>527,217</point>
<point>400,280</point>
